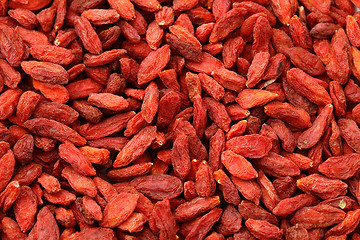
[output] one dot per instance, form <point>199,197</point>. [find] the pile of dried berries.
<point>183,119</point>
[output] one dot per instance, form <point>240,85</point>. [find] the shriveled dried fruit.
<point>253,146</point>
<point>308,87</point>
<point>158,186</point>
<point>263,230</point>
<point>318,216</point>
<point>119,209</point>
<point>238,166</point>
<point>149,119</point>
<point>322,186</point>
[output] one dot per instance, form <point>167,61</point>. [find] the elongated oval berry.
<point>318,216</point>
<point>312,135</point>
<point>321,186</point>
<point>159,186</point>
<point>341,167</point>
<point>294,116</point>
<point>252,146</point>
<point>53,129</point>
<point>153,64</point>
<point>72,155</point>
<point>238,166</point>
<point>46,72</point>
<point>307,86</point>
<point>135,147</point>
<point>118,209</point>
<point>87,35</point>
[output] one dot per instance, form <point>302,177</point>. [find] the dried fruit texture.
<point>216,147</point>
<point>324,30</point>
<point>282,10</point>
<point>52,54</point>
<point>25,208</point>
<point>46,226</point>
<point>73,156</point>
<point>284,134</point>
<point>281,40</point>
<point>338,97</point>
<point>306,61</point>
<point>294,116</point>
<point>169,106</point>
<point>8,100</point>
<point>195,207</point>
<point>199,114</point>
<point>350,132</point>
<point>182,41</point>
<point>229,190</point>
<point>300,34</point>
<point>108,101</point>
<point>252,146</point>
<point>257,68</point>
<point>150,103</point>
<point>153,64</point>
<point>154,34</point>
<point>46,72</point>
<point>229,79</point>
<point>297,232</point>
<point>55,111</point>
<point>54,92</point>
<point>238,166</point>
<point>249,210</point>
<point>312,135</point>
<point>159,186</point>
<point>227,23</point>
<point>180,157</point>
<point>308,87</point>
<point>247,28</point>
<point>268,191</point>
<point>204,224</point>
<point>217,113</point>
<point>106,127</point>
<point>7,163</point>
<point>206,64</point>
<point>165,220</point>
<point>341,167</point>
<point>135,147</point>
<point>231,51</point>
<point>321,186</point>
<point>91,60</point>
<point>78,182</point>
<point>352,30</point>
<point>277,165</point>
<point>9,195</point>
<point>338,68</point>
<point>101,16</point>
<point>318,216</point>
<point>249,98</point>
<point>347,226</point>
<point>356,113</point>
<point>248,188</point>
<point>11,229</point>
<point>261,36</point>
<point>118,209</point>
<point>263,230</point>
<point>11,77</point>
<point>197,149</point>
<point>288,206</point>
<point>302,161</point>
<point>26,105</point>
<point>12,46</point>
<point>87,35</point>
